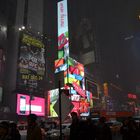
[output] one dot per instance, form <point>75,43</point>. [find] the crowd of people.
<point>9,131</point>
<point>79,129</point>
<point>86,130</point>
<point>130,130</point>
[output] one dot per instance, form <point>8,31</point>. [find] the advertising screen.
<point>62,20</point>
<point>37,105</point>
<point>53,96</point>
<point>31,63</point>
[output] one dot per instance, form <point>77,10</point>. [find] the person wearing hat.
<point>74,127</point>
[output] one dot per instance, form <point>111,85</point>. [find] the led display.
<point>53,96</point>
<point>37,105</point>
<point>59,62</point>
<point>31,62</point>
<point>62,20</point>
<point>73,75</point>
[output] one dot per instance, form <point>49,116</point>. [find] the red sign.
<point>84,106</point>
<point>76,107</point>
<point>62,41</point>
<point>79,89</point>
<point>132,96</point>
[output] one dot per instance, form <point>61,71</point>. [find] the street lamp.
<point>23,27</point>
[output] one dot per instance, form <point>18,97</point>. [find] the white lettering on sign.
<point>36,108</point>
<point>75,97</point>
<point>62,14</point>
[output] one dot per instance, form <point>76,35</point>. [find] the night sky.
<point>116,30</point>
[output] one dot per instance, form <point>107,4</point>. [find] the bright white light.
<point>23,27</point>
<point>4,29</point>
<point>19,29</point>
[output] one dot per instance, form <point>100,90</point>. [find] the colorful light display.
<point>73,71</point>
<point>53,96</point>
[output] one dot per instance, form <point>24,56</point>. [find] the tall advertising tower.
<point>69,71</point>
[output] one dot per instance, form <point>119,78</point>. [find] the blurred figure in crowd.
<point>33,131</point>
<point>129,130</point>
<point>43,129</point>
<point>103,132</point>
<point>74,128</point>
<point>91,129</point>
<point>124,130</point>
<point>14,132</point>
<point>132,130</point>
<point>4,131</point>
<point>83,130</point>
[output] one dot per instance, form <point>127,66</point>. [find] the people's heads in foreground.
<point>31,119</point>
<point>102,120</point>
<point>74,115</point>
<point>4,128</point>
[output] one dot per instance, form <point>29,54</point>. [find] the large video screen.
<point>63,37</point>
<point>37,105</point>
<point>31,63</point>
<point>53,96</point>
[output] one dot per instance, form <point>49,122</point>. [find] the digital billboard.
<point>23,105</point>
<point>53,96</point>
<point>72,72</point>
<point>63,38</point>
<point>31,62</point>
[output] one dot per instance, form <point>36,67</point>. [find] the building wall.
<point>11,15</point>
<point>50,31</point>
<point>7,13</point>
<point>35,15</point>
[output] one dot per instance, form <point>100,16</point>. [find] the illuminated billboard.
<point>62,20</point>
<point>31,63</point>
<point>69,71</point>
<point>53,96</point>
<point>23,105</point>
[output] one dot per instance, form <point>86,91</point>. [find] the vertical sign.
<point>68,69</point>
<point>63,39</point>
<point>31,63</point>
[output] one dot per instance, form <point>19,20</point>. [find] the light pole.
<point>30,100</point>
<point>60,111</point>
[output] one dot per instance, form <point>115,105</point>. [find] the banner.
<point>31,63</point>
<point>63,38</point>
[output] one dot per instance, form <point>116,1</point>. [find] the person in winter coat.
<point>103,132</point>
<point>33,131</point>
